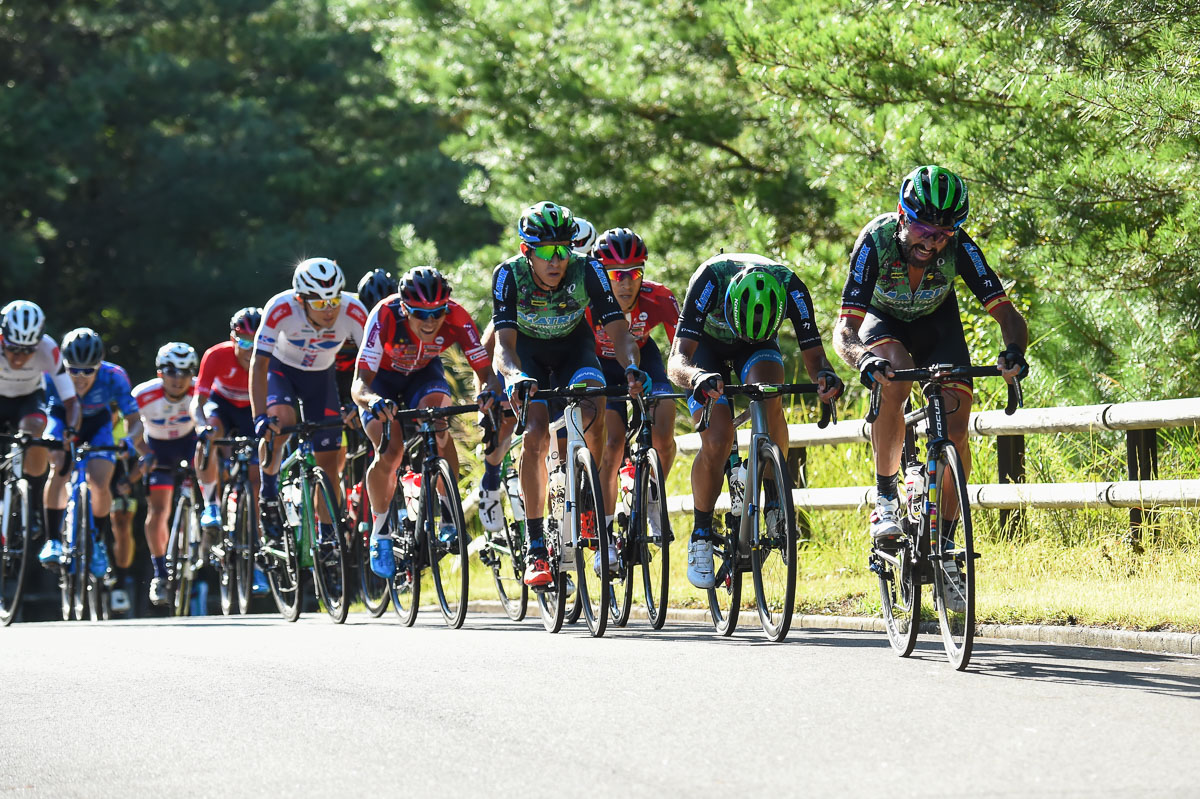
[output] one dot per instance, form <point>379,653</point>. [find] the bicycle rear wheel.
<point>14,552</point>
<point>654,540</point>
<point>725,599</point>
<point>953,560</point>
<point>329,551</point>
<point>283,571</point>
<point>447,544</point>
<point>591,550</point>
<point>899,590</point>
<point>225,561</point>
<point>502,553</point>
<point>178,554</point>
<point>77,566</point>
<point>243,547</point>
<point>626,540</point>
<point>372,587</point>
<point>773,557</point>
<point>405,586</point>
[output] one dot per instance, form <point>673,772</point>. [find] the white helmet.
<point>584,238</point>
<point>318,279</point>
<point>22,323</point>
<point>178,355</point>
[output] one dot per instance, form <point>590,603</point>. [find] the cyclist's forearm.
<point>1013,327</point>
<point>847,344</point>
<point>258,385</point>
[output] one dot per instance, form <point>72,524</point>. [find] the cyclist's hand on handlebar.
<point>829,385</point>
<point>384,410</point>
<point>203,434</point>
<point>263,423</point>
<point>486,400</point>
<point>520,390</point>
<point>706,386</point>
<point>1012,364</point>
<point>872,369</point>
<point>639,381</point>
<point>349,414</point>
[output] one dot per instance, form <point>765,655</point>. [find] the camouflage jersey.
<point>704,306</point>
<point>519,303</point>
<point>879,275</point>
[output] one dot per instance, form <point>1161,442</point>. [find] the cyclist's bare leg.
<point>37,459</point>
<point>56,484</point>
<point>614,457</point>
<point>532,469</point>
<point>708,469</point>
<point>329,461</point>
<point>209,474</point>
<point>887,433</point>
<point>99,479</point>
<point>445,440</point>
<point>772,372</point>
<point>122,527</point>
<point>957,424</point>
<point>381,473</point>
<point>158,512</point>
<point>663,434</point>
<point>593,427</point>
<point>285,417</point>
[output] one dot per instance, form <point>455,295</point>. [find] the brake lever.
<point>873,409</point>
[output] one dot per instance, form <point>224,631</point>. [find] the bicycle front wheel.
<point>503,555</point>
<point>405,586</point>
<point>446,533</point>
<point>77,569</point>
<point>655,538</point>
<point>952,555</point>
<point>179,553</point>
<point>329,549</point>
<point>242,539</point>
<point>592,553</point>
<point>374,589</point>
<point>626,536</point>
<point>14,552</point>
<point>773,551</point>
<point>725,599</point>
<point>225,560</point>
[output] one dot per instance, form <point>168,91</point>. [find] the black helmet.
<point>82,347</point>
<point>374,286</point>
<point>424,287</point>
<point>244,323</point>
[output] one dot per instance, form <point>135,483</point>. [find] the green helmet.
<point>935,196</point>
<point>545,222</point>
<point>754,304</point>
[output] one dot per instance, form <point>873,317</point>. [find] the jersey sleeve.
<point>204,377</point>
<point>800,311</point>
<point>356,321</point>
<point>973,268</point>
<point>277,310</point>
<point>697,304</point>
<point>667,311</point>
<point>504,298</point>
<point>52,365</point>
<point>466,334</point>
<point>370,354</point>
<point>860,283</point>
<point>122,391</point>
<point>600,296</point>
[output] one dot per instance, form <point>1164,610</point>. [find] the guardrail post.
<point>1141,453</point>
<point>797,463</point>
<point>1010,461</point>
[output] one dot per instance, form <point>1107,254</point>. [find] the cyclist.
<point>221,402</point>
<point>30,357</point>
<point>168,438</point>
<point>646,305</point>
<point>899,310</point>
<point>584,239</point>
<point>539,299</point>
<point>102,388</point>
<point>732,313</point>
<point>400,364</point>
<point>294,354</point>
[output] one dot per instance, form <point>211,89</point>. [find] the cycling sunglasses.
<point>19,349</point>
<point>552,252</point>
<point>925,231</point>
<point>172,371</point>
<point>425,313</point>
<point>617,275</point>
<point>325,305</point>
<point>245,343</point>
<point>82,370</point>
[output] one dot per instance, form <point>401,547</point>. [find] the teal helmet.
<point>547,222</point>
<point>935,196</point>
<point>754,304</point>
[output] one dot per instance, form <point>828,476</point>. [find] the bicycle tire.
<point>14,557</point>
<point>328,557</point>
<point>773,555</point>
<point>82,540</point>
<point>655,550</point>
<point>225,565</point>
<point>179,555</point>
<point>725,599</point>
<point>589,500</point>
<point>283,574</point>
<point>448,562</point>
<point>626,535</point>
<point>243,547</point>
<point>504,557</point>
<point>900,590</point>
<point>954,601</point>
<point>552,600</point>
<point>371,587</point>
<point>405,587</point>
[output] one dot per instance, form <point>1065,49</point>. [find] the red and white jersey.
<point>163,419</point>
<point>655,305</point>
<point>221,374</point>
<point>391,346</point>
<point>287,334</point>
<point>46,360</point>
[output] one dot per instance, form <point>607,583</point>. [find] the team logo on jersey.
<point>279,314</point>
<point>702,303</point>
<point>539,299</point>
<point>498,292</point>
<point>801,305</point>
<point>976,259</point>
<point>860,264</point>
<point>439,340</point>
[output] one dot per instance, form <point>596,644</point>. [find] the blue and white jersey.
<point>111,389</point>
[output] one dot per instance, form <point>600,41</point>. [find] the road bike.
<point>937,547</point>
<point>185,540</point>
<point>233,555</point>
<point>642,533</point>
<point>503,551</point>
<point>15,522</point>
<point>372,589</point>
<point>307,493</point>
<point>83,593</point>
<point>762,540</point>
<point>426,520</point>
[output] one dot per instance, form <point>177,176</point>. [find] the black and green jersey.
<point>519,303</point>
<point>703,313</point>
<point>879,275</point>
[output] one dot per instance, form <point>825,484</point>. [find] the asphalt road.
<point>259,707</point>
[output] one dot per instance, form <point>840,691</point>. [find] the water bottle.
<point>626,492</point>
<point>289,496</point>
<point>512,487</point>
<point>914,488</point>
<point>735,471</point>
<point>412,492</point>
<point>231,510</point>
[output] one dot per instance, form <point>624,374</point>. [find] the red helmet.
<point>619,247</point>
<point>424,287</point>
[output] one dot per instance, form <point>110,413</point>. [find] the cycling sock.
<point>702,519</point>
<point>491,477</point>
<point>209,491</point>
<point>380,524</point>
<point>37,491</point>
<point>536,530</point>
<point>886,486</point>
<point>160,566</point>
<point>54,521</point>
<point>103,529</point>
<point>270,485</point>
